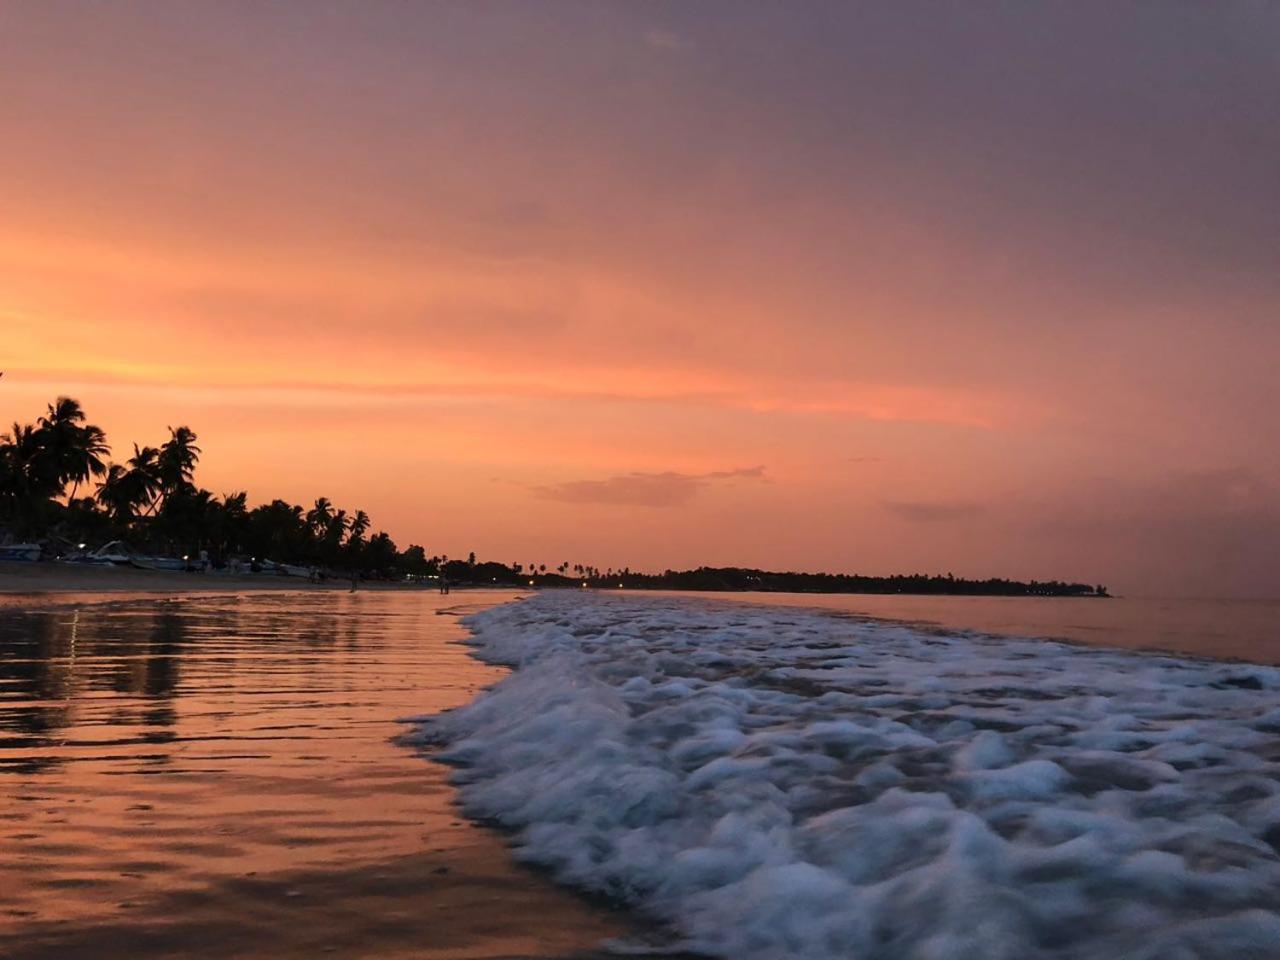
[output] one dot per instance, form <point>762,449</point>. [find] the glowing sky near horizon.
<point>871,287</point>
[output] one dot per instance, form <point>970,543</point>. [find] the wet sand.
<point>217,777</point>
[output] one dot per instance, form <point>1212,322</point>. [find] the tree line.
<point>58,486</point>
<point>738,578</point>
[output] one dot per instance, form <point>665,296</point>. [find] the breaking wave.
<point>776,783</point>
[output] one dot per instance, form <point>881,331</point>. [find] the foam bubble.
<point>775,783</point>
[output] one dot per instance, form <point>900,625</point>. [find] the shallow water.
<point>216,776</point>
<point>778,783</point>
<point>1239,629</point>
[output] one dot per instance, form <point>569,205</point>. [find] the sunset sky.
<point>988,288</point>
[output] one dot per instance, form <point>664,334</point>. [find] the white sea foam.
<point>776,783</point>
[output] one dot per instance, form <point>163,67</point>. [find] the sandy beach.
<point>74,578</point>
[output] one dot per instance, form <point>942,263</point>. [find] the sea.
<point>501,774</point>
<point>775,780</point>
<point>1227,628</point>
<point>222,776</point>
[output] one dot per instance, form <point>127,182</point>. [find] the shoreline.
<point>972,751</point>
<point>34,579</point>
<point>18,578</point>
<point>46,576</point>
<point>1185,628</point>
<point>257,797</point>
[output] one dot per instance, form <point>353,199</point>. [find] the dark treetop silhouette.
<point>152,502</point>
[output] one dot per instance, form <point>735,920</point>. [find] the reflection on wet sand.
<point>216,777</point>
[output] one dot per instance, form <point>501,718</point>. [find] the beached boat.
<point>117,553</point>
<point>159,563</point>
<point>289,569</point>
<point>112,553</point>
<point>20,551</point>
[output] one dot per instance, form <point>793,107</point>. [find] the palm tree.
<point>114,494</point>
<point>185,522</point>
<point>278,529</point>
<point>355,546</point>
<point>380,553</point>
<point>234,503</point>
<point>359,526</point>
<point>24,477</point>
<point>23,449</point>
<point>230,523</point>
<point>85,458</point>
<point>331,541</point>
<point>337,526</point>
<point>320,516</point>
<point>142,482</point>
<point>74,450</point>
<point>176,461</point>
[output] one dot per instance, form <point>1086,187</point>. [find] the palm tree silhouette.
<point>176,461</point>
<point>337,526</point>
<point>139,486</point>
<point>331,539</point>
<point>320,516</point>
<point>73,450</point>
<point>114,494</point>
<point>24,480</point>
<point>359,526</point>
<point>231,522</point>
<point>85,458</point>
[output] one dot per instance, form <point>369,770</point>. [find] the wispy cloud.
<point>934,512</point>
<point>466,378</point>
<point>665,489</point>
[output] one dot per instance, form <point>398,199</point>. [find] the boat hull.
<point>24,552</point>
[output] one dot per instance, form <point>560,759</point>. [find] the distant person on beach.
<point>444,583</point>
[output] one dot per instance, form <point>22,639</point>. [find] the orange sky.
<point>871,289</point>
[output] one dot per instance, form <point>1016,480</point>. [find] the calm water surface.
<point>1243,629</point>
<point>216,777</point>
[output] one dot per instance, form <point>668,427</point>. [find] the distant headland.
<point>63,499</point>
<point>746,579</point>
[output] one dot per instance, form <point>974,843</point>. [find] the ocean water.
<point>217,777</point>
<point>778,783</point>
<point>1240,629</point>
<point>226,776</point>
